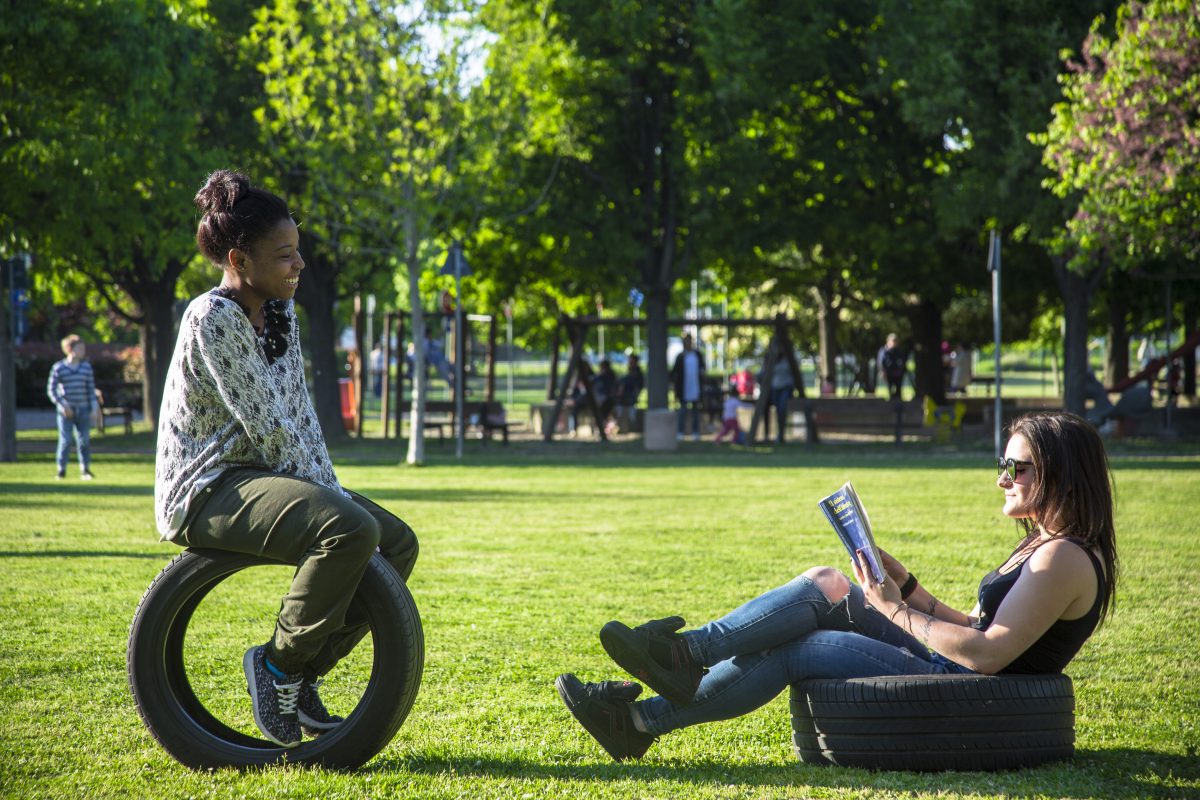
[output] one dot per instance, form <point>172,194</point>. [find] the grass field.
<point>526,551</point>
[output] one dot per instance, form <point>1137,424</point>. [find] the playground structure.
<point>395,326</point>
<point>577,328</point>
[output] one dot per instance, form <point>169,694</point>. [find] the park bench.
<point>859,415</point>
<point>119,400</point>
<point>488,417</point>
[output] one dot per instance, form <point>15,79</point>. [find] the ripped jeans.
<point>787,635</point>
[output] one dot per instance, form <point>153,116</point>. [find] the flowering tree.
<point>1127,137</point>
<point>1125,142</point>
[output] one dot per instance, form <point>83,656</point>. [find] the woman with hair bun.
<point>242,465</point>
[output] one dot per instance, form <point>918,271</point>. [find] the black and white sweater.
<point>225,406</point>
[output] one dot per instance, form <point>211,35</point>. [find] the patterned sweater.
<point>225,406</point>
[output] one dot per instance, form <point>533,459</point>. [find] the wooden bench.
<point>487,417</point>
<point>120,400</point>
<point>865,415</point>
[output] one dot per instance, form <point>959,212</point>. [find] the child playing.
<point>729,419</point>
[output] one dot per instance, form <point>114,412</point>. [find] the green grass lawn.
<point>526,551</point>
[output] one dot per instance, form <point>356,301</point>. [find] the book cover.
<point>849,519</point>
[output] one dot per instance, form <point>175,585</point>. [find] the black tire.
<point>932,723</point>
<point>175,716</point>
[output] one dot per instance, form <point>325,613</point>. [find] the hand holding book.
<point>849,519</point>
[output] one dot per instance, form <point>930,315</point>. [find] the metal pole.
<point>459,350</point>
<point>1169,318</point>
<point>637,334</point>
<point>509,336</point>
<point>994,266</point>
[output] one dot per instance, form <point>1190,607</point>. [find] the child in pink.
<point>729,418</point>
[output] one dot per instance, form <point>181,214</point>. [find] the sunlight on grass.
<point>525,552</point>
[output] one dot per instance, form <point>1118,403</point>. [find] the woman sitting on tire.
<point>1035,610</point>
<point>242,465</point>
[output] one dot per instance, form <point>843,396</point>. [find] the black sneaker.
<point>603,711</point>
<point>657,655</point>
<point>314,718</point>
<point>62,473</point>
<point>274,699</point>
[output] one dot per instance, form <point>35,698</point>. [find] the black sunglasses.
<point>1011,466</point>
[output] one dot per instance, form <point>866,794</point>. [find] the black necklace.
<point>276,325</point>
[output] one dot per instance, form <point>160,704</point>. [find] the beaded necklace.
<point>276,326</point>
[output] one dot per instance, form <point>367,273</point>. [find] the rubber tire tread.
<point>191,735</point>
<point>934,722</point>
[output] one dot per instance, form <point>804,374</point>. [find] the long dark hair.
<point>1074,488</point>
<point>235,214</point>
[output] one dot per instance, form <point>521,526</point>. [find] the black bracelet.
<point>910,586</point>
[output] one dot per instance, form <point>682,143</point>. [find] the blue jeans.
<point>787,635</point>
<point>80,426</point>
<point>779,399</point>
<point>694,405</point>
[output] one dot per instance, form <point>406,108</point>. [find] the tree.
<point>103,151</point>
<point>1125,146</point>
<point>363,121</point>
<point>627,201</point>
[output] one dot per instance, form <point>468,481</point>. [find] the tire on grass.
<point>192,735</point>
<point>935,722</point>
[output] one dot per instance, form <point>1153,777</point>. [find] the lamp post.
<point>993,265</point>
<point>456,265</point>
<point>636,297</point>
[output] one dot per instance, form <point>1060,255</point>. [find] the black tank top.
<point>1059,644</point>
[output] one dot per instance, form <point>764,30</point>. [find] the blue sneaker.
<point>314,718</point>
<point>274,698</point>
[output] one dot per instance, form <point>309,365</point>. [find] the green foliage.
<point>513,593</point>
<point>1125,141</point>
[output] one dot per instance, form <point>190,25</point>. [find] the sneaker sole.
<point>312,727</point>
<point>624,647</point>
<point>252,690</point>
<point>563,683</point>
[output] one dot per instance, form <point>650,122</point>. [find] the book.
<point>849,519</point>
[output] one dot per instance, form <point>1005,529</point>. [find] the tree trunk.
<point>1116,359</point>
<point>657,368</point>
<point>929,376</point>
<point>316,293</point>
<point>1077,289</point>
<point>416,415</point>
<point>157,335</point>
<point>8,382</point>
<point>827,326</point>
<point>153,291</point>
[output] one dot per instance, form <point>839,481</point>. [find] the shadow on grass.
<point>163,557</point>
<point>76,487</point>
<point>1122,773</point>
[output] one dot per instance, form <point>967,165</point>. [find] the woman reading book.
<point>1035,610</point>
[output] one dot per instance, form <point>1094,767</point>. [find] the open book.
<point>849,520</point>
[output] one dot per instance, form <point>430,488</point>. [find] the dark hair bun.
<point>235,214</point>
<point>221,191</point>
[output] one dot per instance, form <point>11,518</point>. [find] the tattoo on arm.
<point>933,604</point>
<point>924,634</point>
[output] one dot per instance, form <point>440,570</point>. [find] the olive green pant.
<point>328,536</point>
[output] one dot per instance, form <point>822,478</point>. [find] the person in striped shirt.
<point>72,389</point>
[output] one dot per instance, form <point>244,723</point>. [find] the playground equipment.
<point>577,329</point>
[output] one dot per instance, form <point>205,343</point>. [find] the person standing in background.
<point>72,389</point>
<point>892,365</point>
<point>688,377</point>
